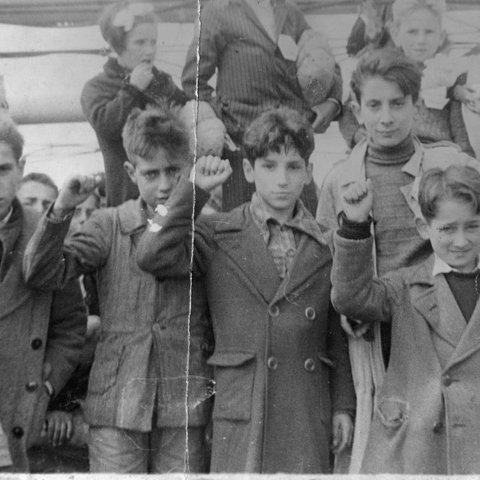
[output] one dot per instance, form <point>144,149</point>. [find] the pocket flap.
<point>230,359</point>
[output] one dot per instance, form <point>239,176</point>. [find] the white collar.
<point>440,266</point>
<point>7,218</point>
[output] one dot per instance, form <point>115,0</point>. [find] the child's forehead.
<point>161,159</point>
<point>6,153</point>
<point>284,153</point>
<point>453,209</point>
<point>377,87</point>
<point>421,17</point>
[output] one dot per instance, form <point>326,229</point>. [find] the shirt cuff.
<point>354,230</point>
<point>337,103</point>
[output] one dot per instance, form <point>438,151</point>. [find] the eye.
<point>472,228</point>
<point>399,103</point>
<point>151,175</point>
<point>172,171</point>
<point>373,105</point>
<point>447,229</point>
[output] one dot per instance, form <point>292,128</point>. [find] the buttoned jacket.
<point>280,359</point>
<point>151,346</point>
<point>426,418</point>
<point>36,327</point>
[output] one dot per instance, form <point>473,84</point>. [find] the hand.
<point>342,426</point>
<point>75,190</point>
<point>326,112</point>
<point>141,76</point>
<point>210,172</point>
<point>58,427</point>
<point>356,330</point>
<point>357,200</point>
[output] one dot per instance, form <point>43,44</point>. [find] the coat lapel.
<point>425,299</point>
<point>238,237</point>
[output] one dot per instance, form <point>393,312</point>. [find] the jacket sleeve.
<point>106,104</point>
<point>348,124</point>
<point>165,249</point>
<point>356,292</point>
<point>210,41</point>
<point>50,262</point>
<point>342,391</point>
<point>459,131</point>
<point>66,333</point>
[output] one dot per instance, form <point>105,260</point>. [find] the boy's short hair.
<point>391,65</point>
<point>402,9</point>
<point>10,135</point>
<point>457,182</point>
<point>148,130</point>
<point>42,178</point>
<point>276,128</point>
<point>120,18</point>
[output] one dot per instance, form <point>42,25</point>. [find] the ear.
<point>248,171</point>
<point>422,227</point>
<point>21,165</point>
<point>357,111</point>
<point>309,174</point>
<point>130,169</point>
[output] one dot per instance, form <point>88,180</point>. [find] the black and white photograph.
<point>239,237</point>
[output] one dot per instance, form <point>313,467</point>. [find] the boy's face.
<point>454,234</point>
<point>387,114</point>
<point>83,212</point>
<point>11,172</point>
<point>156,178</point>
<point>279,179</point>
<point>419,35</point>
<point>36,195</point>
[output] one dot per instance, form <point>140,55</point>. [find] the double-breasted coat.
<point>281,364</point>
<point>426,417</point>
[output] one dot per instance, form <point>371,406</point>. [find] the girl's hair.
<point>402,9</point>
<point>276,128</point>
<point>119,19</point>
<point>457,182</point>
<point>148,130</point>
<point>391,65</point>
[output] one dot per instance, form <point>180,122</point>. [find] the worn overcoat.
<point>426,418</point>
<point>36,327</point>
<point>281,361</point>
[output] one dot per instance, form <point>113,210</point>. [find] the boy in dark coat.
<point>284,390</point>
<point>41,333</point>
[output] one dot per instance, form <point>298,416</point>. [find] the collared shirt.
<point>282,240</point>
<point>7,218</point>
<point>264,11</point>
<point>440,266</point>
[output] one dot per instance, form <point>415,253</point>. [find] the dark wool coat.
<point>281,361</point>
<point>35,327</point>
<point>426,419</point>
<point>151,334</point>
<point>107,100</point>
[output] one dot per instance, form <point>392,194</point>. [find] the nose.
<point>460,240</point>
<point>282,178</point>
<point>38,207</point>
<point>165,183</point>
<point>386,115</point>
<point>151,48</point>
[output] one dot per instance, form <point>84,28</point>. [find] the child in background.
<point>37,191</point>
<point>284,392</point>
<point>426,416</point>
<point>147,401</point>
<point>387,86</point>
<point>417,31</point>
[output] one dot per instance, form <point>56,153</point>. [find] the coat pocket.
<point>234,375</point>
<point>392,412</point>
<point>105,368</point>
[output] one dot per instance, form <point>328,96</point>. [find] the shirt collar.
<point>440,266</point>
<point>302,220</point>
<point>7,218</point>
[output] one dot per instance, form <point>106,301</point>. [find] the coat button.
<point>36,343</point>
<point>309,365</point>
<point>446,380</point>
<point>310,313</point>
<point>437,427</point>
<point>274,311</point>
<point>17,432</point>
<point>31,386</point>
<point>272,363</point>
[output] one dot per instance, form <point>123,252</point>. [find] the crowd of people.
<point>150,324</point>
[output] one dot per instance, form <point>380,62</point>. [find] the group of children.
<point>234,319</point>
